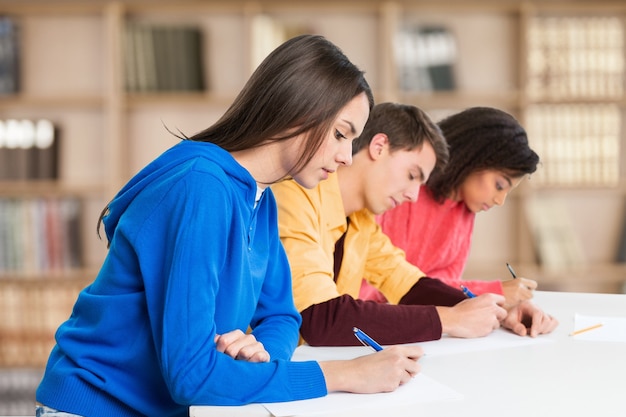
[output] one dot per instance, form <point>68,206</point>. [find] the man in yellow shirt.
<point>333,241</point>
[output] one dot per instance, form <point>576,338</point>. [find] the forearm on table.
<point>330,323</point>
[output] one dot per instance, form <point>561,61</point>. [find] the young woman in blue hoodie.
<point>193,303</point>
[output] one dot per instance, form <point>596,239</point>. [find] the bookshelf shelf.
<point>462,99</point>
<point>42,188</point>
<point>81,276</point>
<point>619,101</point>
<point>195,99</point>
<point>618,189</point>
<point>19,101</point>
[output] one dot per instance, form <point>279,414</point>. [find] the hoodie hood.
<point>167,164</point>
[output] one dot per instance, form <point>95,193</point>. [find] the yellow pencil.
<point>586,329</point>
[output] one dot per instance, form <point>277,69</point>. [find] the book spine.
<point>9,56</point>
<point>40,235</point>
<point>28,150</point>
<point>621,249</point>
<point>578,143</point>
<point>131,58</point>
<point>426,58</point>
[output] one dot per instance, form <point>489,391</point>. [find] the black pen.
<point>366,340</point>
<point>511,270</point>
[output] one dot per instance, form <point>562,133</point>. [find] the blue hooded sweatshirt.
<point>190,257</point>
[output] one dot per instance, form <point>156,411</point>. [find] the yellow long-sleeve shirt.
<point>311,221</point>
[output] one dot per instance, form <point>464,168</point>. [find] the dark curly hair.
<point>481,138</point>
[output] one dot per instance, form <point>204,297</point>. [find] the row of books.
<point>9,56</point>
<point>31,312</point>
<point>621,249</point>
<point>571,57</point>
<point>579,144</point>
<point>557,246</point>
<point>39,235</point>
<point>426,57</point>
<point>268,33</point>
<point>28,150</point>
<point>163,58</point>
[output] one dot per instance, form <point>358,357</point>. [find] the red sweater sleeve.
<point>415,319</point>
<point>477,287</point>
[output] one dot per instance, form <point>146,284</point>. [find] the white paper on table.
<point>498,339</point>
<point>613,328</point>
<point>419,389</point>
<point>329,353</point>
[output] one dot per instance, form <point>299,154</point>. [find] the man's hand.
<point>525,318</point>
<point>474,317</point>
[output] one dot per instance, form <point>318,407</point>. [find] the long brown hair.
<point>300,87</point>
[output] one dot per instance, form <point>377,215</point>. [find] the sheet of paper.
<point>613,328</point>
<point>420,389</point>
<point>498,339</point>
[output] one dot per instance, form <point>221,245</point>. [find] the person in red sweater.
<point>489,157</point>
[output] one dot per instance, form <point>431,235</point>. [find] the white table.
<point>566,377</point>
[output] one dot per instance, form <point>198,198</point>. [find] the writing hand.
<point>474,317</point>
<point>241,346</point>
<point>382,371</point>
<point>517,290</point>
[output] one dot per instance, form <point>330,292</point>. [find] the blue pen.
<point>366,340</point>
<point>467,292</point>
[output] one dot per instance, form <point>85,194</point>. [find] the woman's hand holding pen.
<point>517,290</point>
<point>382,371</point>
<point>474,317</point>
<point>241,346</point>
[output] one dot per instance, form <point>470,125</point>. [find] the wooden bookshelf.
<point>109,134</point>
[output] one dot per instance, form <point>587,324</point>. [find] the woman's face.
<point>482,190</point>
<point>336,150</point>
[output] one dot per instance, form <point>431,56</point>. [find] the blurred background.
<point>88,89</point>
